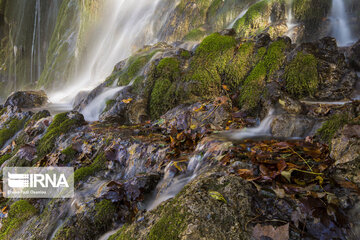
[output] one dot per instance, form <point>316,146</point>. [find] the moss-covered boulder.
<point>19,213</point>
<point>194,214</point>
<point>61,124</point>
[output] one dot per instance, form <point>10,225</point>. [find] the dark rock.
<point>27,99</point>
<point>354,56</point>
<point>262,40</point>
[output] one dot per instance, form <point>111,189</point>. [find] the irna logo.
<point>48,182</point>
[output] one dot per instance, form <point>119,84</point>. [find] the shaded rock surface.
<point>27,99</point>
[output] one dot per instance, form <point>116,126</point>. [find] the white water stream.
<point>340,24</point>
<point>127,26</point>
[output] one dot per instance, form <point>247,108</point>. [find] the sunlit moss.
<point>302,75</point>
<point>19,212</point>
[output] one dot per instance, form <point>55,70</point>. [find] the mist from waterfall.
<point>125,27</point>
<point>340,24</point>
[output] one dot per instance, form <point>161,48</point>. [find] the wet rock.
<point>125,109</point>
<point>194,214</point>
<point>345,150</point>
<point>84,98</point>
<point>290,105</point>
<point>354,56</point>
<point>197,116</point>
<point>289,125</point>
<point>27,99</point>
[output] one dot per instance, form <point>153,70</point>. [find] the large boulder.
<point>27,99</point>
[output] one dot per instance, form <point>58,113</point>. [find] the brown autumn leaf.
<point>245,173</point>
<point>279,233</point>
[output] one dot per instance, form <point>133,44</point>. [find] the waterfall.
<point>36,35</point>
<point>126,27</point>
<point>339,24</point>
<point>290,23</point>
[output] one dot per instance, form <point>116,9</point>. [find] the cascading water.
<point>339,24</point>
<point>128,25</point>
<point>261,131</point>
<point>243,12</point>
<point>93,110</point>
<point>290,22</point>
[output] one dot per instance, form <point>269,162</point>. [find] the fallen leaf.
<point>217,196</point>
<point>225,87</point>
<point>127,100</point>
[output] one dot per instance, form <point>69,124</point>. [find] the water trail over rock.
<point>261,131</point>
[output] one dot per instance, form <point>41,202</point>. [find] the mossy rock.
<point>331,126</point>
<point>209,63</point>
<point>169,226</point>
<point>61,124</point>
<point>240,65</point>
<point>302,78</point>
<point>104,212</point>
<point>19,212</point>
<point>163,95</point>
<point>253,88</point>
<point>195,35</point>
<point>69,153</point>
<point>97,165</point>
<point>10,128</point>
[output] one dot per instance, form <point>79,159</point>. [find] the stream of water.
<point>340,23</point>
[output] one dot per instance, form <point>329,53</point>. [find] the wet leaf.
<point>217,196</point>
<point>287,174</point>
<point>127,100</point>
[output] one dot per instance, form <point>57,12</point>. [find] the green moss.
<point>10,128</point>
<point>97,165</point>
<point>4,158</point>
<point>254,85</point>
<point>60,125</point>
<point>195,35</point>
<point>163,95</point>
<point>133,67</point>
<point>70,154</point>
<point>238,68</point>
<point>185,54</point>
<point>169,226</point>
<point>104,212</point>
<point>331,126</point>
<point>169,68</point>
<point>302,75</point>
<point>19,212</point>
<point>123,234</point>
<point>208,64</point>
<point>255,19</point>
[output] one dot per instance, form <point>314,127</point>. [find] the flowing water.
<point>93,110</point>
<point>231,25</point>
<point>340,23</point>
<point>128,26</point>
<point>290,22</point>
<point>263,130</point>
